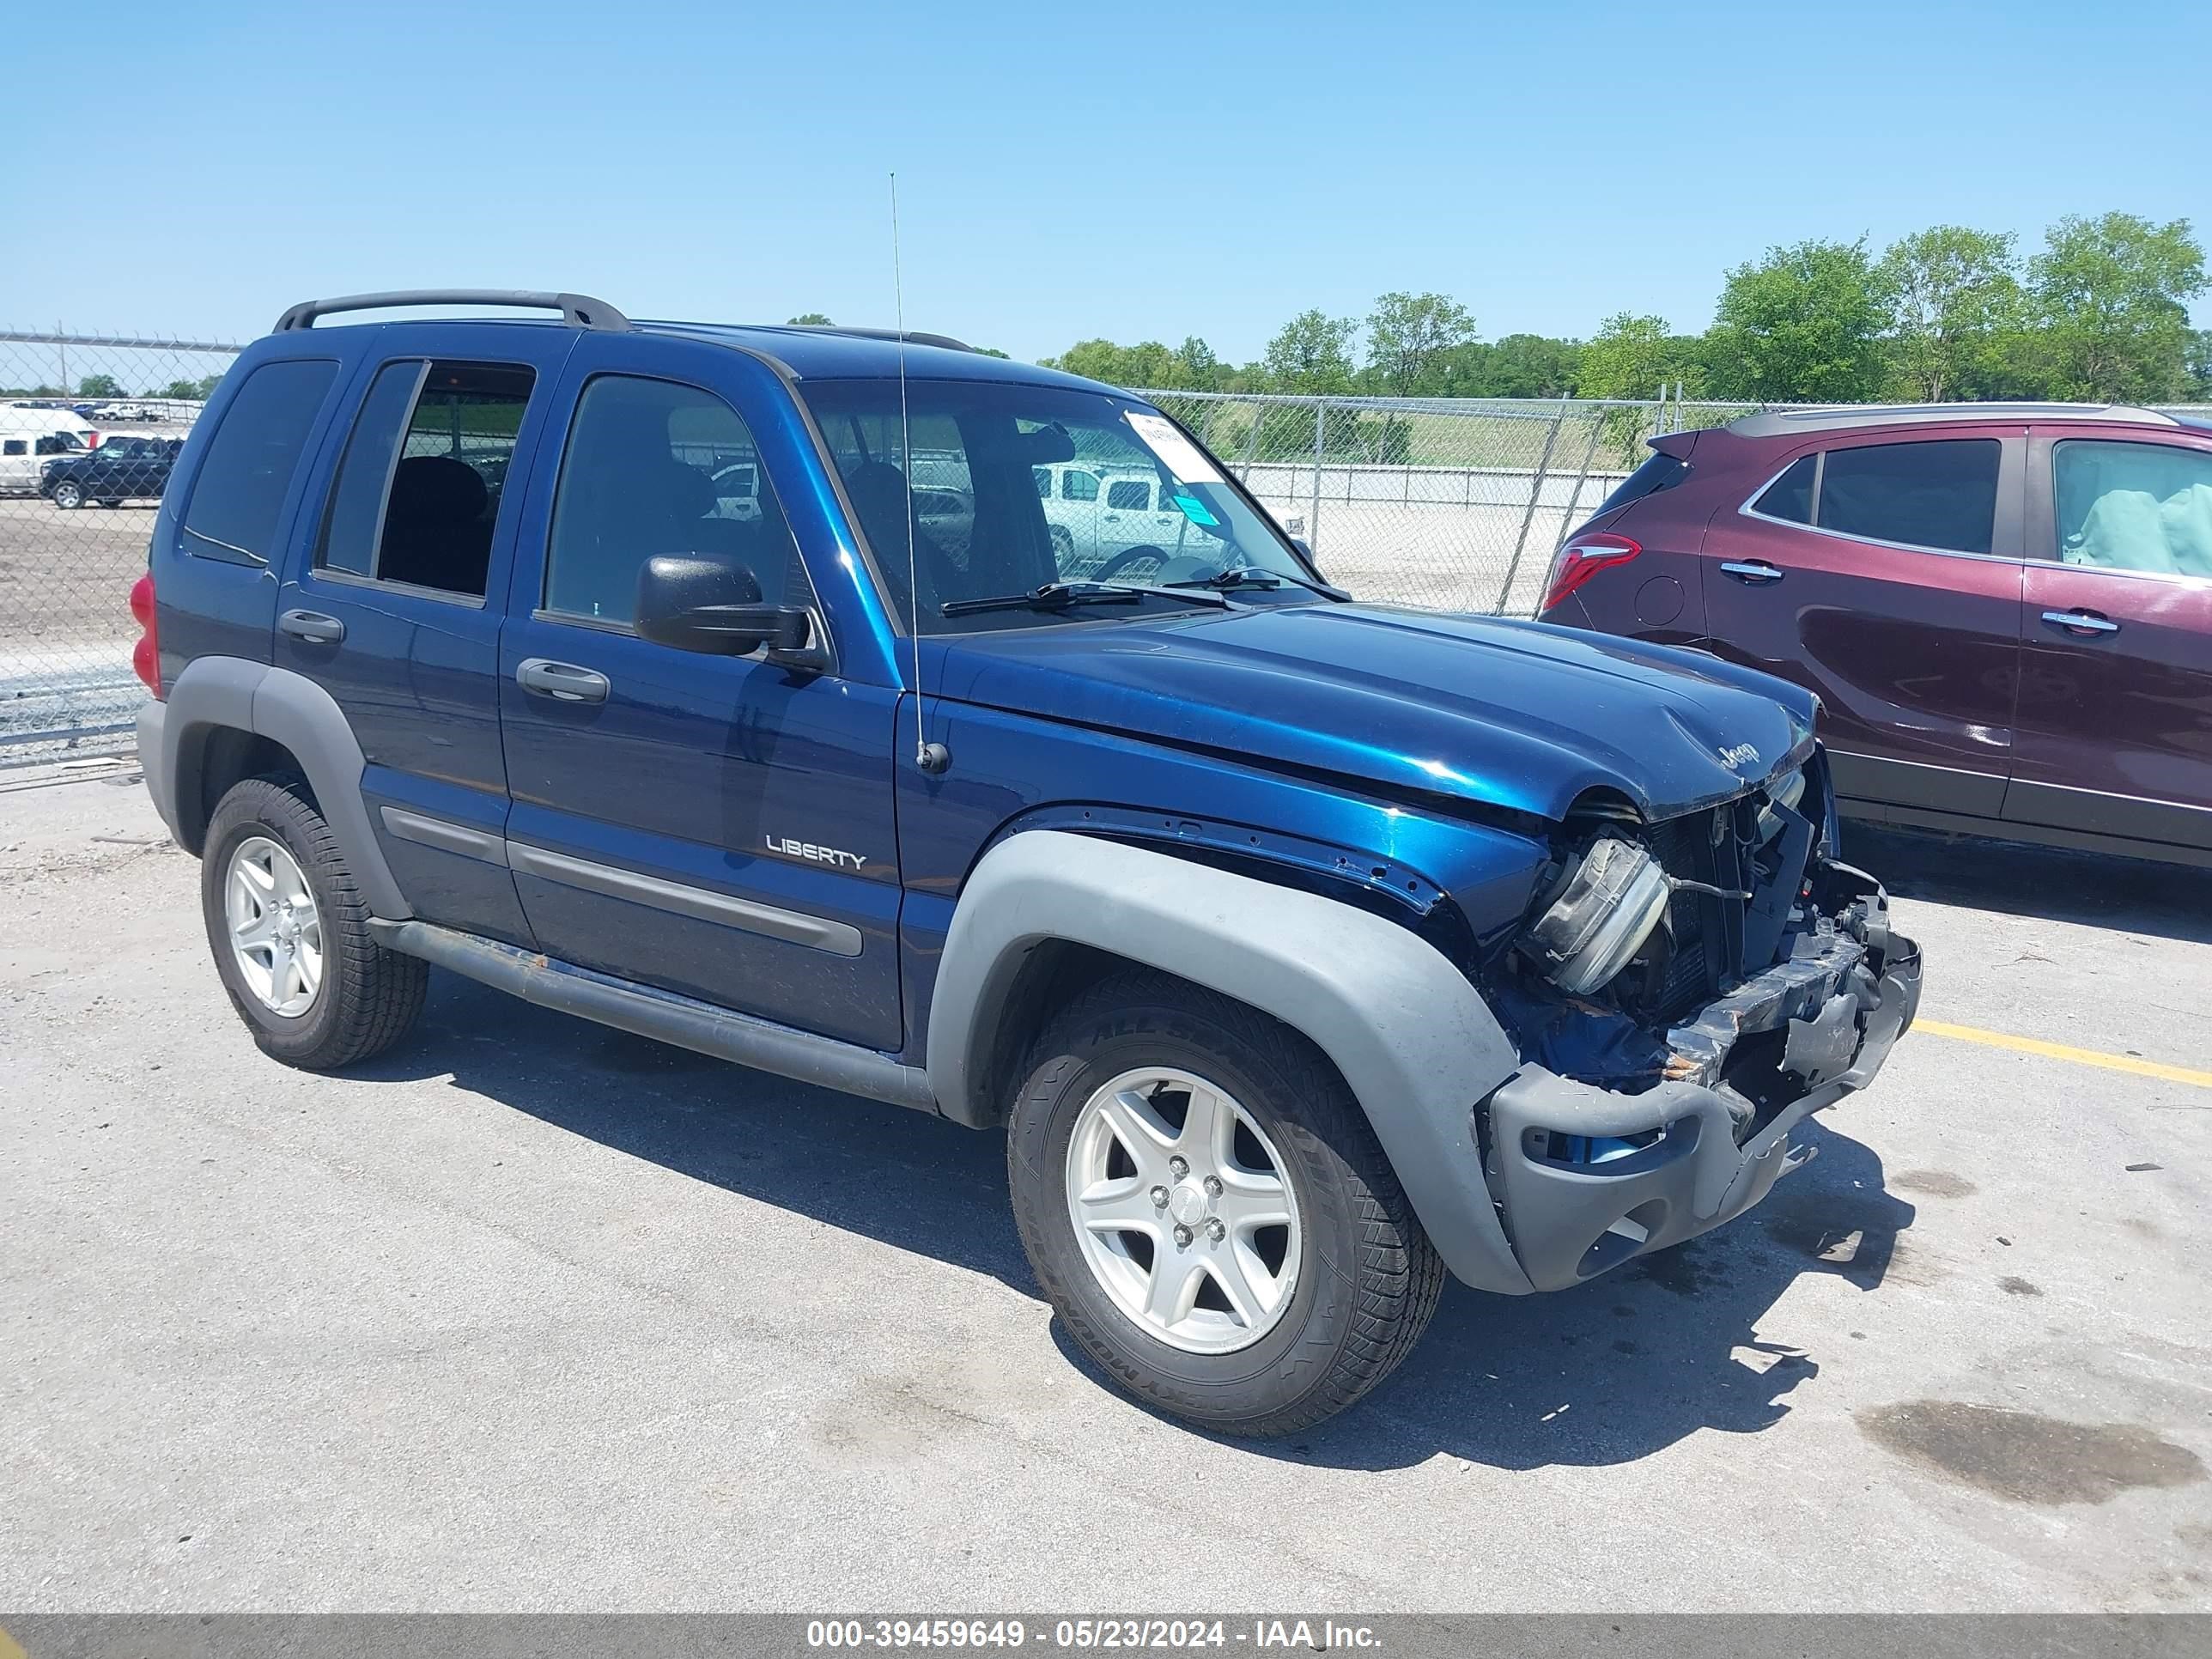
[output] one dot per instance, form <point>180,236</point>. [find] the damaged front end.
<point>1684,994</point>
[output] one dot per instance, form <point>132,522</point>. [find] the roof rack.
<point>577,310</point>
<point>945,341</point>
<point>1774,422</point>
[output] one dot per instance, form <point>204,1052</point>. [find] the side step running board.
<point>684,1021</point>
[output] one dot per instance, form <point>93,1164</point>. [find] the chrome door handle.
<point>1756,571</point>
<point>2081,622</point>
<point>564,682</point>
<point>312,626</point>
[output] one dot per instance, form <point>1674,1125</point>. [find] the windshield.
<point>1018,486</point>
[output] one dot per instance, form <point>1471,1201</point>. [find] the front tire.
<point>68,496</point>
<point>1283,1274</point>
<point>289,931</point>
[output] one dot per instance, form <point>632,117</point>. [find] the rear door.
<point>386,610</point>
<point>720,827</point>
<point>1884,574</point>
<point>2115,728</point>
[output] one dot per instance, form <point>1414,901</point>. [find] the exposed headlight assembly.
<point>1606,909</point>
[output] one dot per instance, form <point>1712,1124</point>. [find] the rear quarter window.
<point>248,467</point>
<point>1658,473</point>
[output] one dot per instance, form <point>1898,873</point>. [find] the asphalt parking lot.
<point>533,1313</point>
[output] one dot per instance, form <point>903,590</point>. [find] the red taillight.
<point>1583,558</point>
<point>146,655</point>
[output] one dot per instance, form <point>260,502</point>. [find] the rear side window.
<point>248,467</point>
<point>1658,473</point>
<point>1077,485</point>
<point>1941,493</point>
<point>1790,496</point>
<point>417,496</point>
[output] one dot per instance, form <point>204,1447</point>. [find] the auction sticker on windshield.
<point>1177,452</point>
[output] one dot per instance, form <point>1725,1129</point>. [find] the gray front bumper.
<point>1569,1222</point>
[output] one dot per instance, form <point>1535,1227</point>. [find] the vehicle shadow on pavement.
<point>883,1172</point>
<point>1628,1365</point>
<point>1607,1373</point>
<point>2091,889</point>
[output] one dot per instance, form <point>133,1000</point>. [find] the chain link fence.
<point>1449,505</point>
<point>88,426</point>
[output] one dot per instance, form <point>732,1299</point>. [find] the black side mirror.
<point>712,605</point>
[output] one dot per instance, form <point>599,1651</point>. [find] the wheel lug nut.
<point>1182,1235</point>
<point>1213,1186</point>
<point>1215,1230</point>
<point>1181,1166</point>
<point>1159,1198</point>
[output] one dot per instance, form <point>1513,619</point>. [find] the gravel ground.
<point>535,1315</point>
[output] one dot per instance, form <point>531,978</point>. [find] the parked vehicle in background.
<point>2005,609</point>
<point>1108,521</point>
<point>32,434</point>
<point>125,467</point>
<point>1303,949</point>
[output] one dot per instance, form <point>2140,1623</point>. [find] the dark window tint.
<point>417,496</point>
<point>1658,473</point>
<point>60,443</point>
<point>1941,494</point>
<point>249,466</point>
<point>1077,485</point>
<point>1129,495</point>
<point>637,481</point>
<point>16,447</point>
<point>1790,496</point>
<point>1042,474</point>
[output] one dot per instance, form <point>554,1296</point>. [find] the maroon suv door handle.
<point>1757,571</point>
<point>2081,623</point>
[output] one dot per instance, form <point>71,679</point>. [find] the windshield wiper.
<point>1247,575</point>
<point>1058,596</point>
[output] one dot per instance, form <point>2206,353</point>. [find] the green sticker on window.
<point>1195,510</point>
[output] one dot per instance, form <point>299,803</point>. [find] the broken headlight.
<point>1600,915</point>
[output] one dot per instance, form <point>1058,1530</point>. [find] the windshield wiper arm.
<point>1058,596</point>
<point>1247,575</point>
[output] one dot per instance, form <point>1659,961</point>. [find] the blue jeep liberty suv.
<point>740,687</point>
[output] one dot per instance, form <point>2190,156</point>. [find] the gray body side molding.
<point>1404,1028</point>
<point>275,703</point>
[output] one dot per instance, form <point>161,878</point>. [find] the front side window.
<point>1939,494</point>
<point>982,528</point>
<point>654,467</point>
<point>61,443</point>
<point>416,497</point>
<point>2133,507</point>
<point>248,467</point>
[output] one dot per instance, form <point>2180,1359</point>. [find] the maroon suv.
<point>2005,608</point>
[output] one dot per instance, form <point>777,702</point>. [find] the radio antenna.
<point>929,756</point>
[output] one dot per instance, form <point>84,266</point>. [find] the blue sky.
<point>1128,169</point>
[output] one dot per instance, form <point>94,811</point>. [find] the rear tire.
<point>1288,1324</point>
<point>276,894</point>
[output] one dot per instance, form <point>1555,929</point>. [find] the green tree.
<point>99,385</point>
<point>2111,297</point>
<point>1312,352</point>
<point>1629,356</point>
<point>189,389</point>
<point>1201,370</point>
<point>1804,323</point>
<point>1147,364</point>
<point>1409,335</point>
<point>2198,356</point>
<point>1518,365</point>
<point>1955,302</point>
<point>809,320</point>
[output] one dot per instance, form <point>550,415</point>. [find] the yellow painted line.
<point>2130,1063</point>
<point>10,1648</point>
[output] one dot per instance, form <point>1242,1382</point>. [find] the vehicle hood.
<point>1522,716</point>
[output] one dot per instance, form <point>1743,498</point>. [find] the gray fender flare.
<point>215,692</point>
<point>1409,1034</point>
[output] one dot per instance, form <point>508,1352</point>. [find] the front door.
<point>1886,576</point>
<point>720,827</point>
<point>387,607</point>
<point>2115,730</point>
